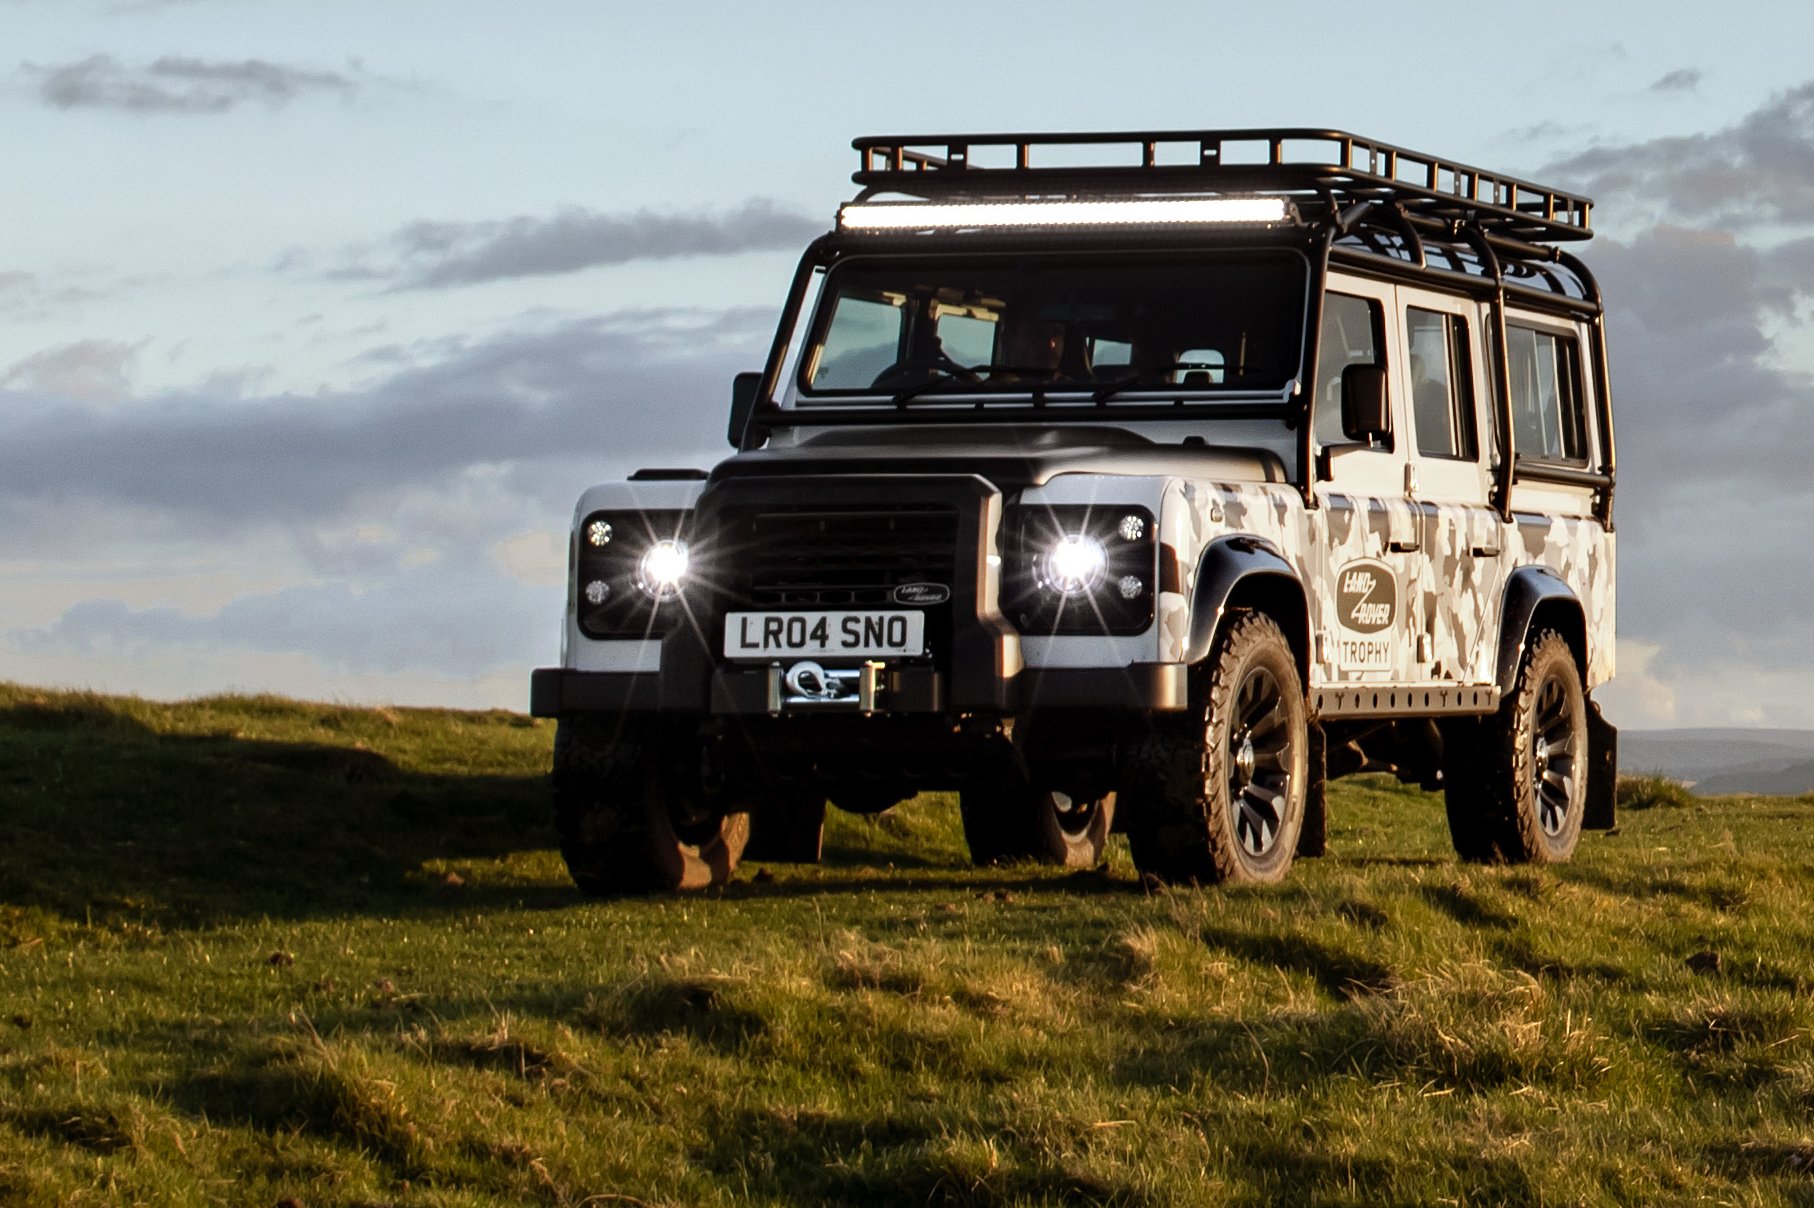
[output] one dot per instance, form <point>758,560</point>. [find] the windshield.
<point>1033,323</point>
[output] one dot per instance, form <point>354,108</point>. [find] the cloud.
<point>428,255</point>
<point>598,396</point>
<point>456,618</point>
<point>1757,172</point>
<point>26,295</point>
<point>178,84</point>
<point>1682,79</point>
<point>89,371</point>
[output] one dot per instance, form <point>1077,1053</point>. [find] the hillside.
<point>1720,762</point>
<point>255,951</point>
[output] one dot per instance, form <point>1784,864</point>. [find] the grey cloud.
<point>437,254</point>
<point>1682,79</point>
<point>1757,172</point>
<point>583,402</point>
<point>178,84</point>
<point>449,618</point>
<point>24,294</point>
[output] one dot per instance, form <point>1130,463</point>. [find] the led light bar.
<point>919,216</point>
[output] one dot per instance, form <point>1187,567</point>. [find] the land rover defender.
<point>1137,482</point>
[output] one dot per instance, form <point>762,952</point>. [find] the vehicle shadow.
<point>105,821</point>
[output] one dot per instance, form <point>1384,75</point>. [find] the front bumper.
<point>749,691</point>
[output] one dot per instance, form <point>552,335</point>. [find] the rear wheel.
<point>1008,819</point>
<point>1517,786</point>
<point>1218,795</point>
<point>631,814</point>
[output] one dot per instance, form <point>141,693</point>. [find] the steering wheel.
<point>916,369</point>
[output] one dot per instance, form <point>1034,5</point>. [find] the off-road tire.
<point>1186,779</point>
<point>1473,829</point>
<point>1009,820</point>
<point>1537,757</point>
<point>629,819</point>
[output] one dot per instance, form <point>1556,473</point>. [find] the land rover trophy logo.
<point>921,593</point>
<point>1366,604</point>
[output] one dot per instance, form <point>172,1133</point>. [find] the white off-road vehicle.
<point>1138,482</point>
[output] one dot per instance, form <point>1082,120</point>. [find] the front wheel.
<point>1218,795</point>
<point>631,814</point>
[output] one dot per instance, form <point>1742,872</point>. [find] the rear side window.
<point>1442,384</point>
<point>1547,420</point>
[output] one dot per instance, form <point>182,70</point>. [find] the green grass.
<point>254,950</point>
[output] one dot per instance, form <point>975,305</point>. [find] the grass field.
<point>256,952</point>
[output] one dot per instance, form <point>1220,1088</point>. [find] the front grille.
<point>814,558</point>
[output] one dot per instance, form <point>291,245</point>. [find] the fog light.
<point>1074,564</point>
<point>663,567</point>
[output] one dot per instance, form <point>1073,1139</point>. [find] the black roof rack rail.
<point>1322,170</point>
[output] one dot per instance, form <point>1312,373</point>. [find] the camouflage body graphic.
<point>1448,591</point>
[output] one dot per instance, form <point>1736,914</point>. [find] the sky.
<point>316,318</point>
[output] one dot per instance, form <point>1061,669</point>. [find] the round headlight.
<point>1074,564</point>
<point>662,568</point>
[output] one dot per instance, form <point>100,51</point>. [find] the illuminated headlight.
<point>662,568</point>
<point>1081,569</point>
<point>1073,565</point>
<point>630,569</point>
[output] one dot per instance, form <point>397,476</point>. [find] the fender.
<point>1226,563</point>
<point>1529,588</point>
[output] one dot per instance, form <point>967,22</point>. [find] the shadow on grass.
<point>1340,973</point>
<point>907,1156</point>
<point>105,821</point>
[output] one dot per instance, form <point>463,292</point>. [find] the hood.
<point>1010,456</point>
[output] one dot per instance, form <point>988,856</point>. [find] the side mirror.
<point>744,388</point>
<point>1365,411</point>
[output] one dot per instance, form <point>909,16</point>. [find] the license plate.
<point>856,635</point>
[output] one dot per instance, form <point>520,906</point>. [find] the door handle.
<point>1404,546</point>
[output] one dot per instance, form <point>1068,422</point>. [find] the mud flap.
<point>1313,840</point>
<point>1602,771</point>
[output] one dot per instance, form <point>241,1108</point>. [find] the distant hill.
<point>1776,762</point>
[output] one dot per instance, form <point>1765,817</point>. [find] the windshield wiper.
<point>903,397</point>
<point>1109,390</point>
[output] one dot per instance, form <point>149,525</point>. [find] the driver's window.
<point>1349,336</point>
<point>862,340</point>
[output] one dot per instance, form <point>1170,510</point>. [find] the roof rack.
<point>1330,167</point>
